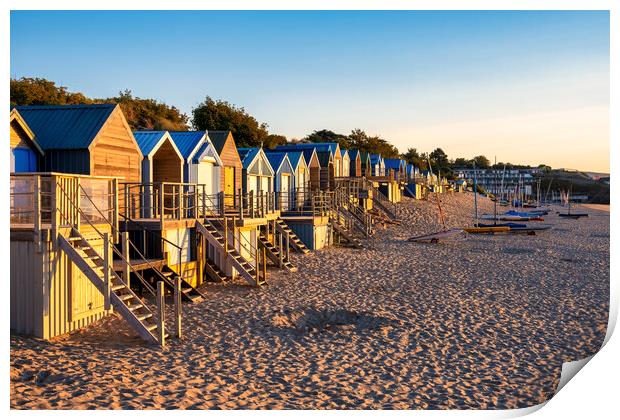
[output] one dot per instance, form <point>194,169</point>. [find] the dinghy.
<point>489,230</point>
<point>434,238</point>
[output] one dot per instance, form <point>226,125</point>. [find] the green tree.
<point>148,114</point>
<point>140,113</point>
<point>39,91</point>
<point>222,115</point>
<point>482,162</point>
<point>461,163</point>
<point>328,136</point>
<point>440,159</point>
<point>273,140</point>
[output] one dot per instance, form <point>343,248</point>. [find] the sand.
<point>480,322</point>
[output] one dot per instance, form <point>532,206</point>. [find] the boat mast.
<point>475,196</point>
<point>495,184</point>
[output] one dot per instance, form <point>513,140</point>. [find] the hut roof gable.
<point>188,142</point>
<point>15,116</point>
<point>150,141</point>
<point>251,155</point>
<point>65,127</point>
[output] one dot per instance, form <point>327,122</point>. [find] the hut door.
<point>253,184</point>
<point>285,187</point>
<point>229,185</point>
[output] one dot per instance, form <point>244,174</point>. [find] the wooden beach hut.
<point>366,164</point>
<point>258,175</point>
<point>311,159</point>
<point>377,165</point>
<point>396,167</point>
<point>202,163</point>
<point>162,160</point>
<point>284,181</point>
<point>232,167</point>
<point>302,177</point>
<point>346,163</point>
<point>84,139</point>
<point>355,170</point>
<point>25,151</point>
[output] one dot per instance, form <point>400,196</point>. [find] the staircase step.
<point>142,317</point>
<point>136,306</point>
<point>119,287</point>
<point>126,297</point>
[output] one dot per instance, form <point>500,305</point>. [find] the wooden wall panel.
<point>114,151</point>
<point>167,165</point>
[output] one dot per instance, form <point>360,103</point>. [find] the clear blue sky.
<point>492,83</point>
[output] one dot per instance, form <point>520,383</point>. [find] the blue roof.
<point>147,140</point>
<point>374,159</point>
<point>344,152</point>
<point>186,141</point>
<point>275,158</point>
<point>66,126</point>
<point>320,147</point>
<point>391,163</point>
<point>247,155</point>
<point>295,157</point>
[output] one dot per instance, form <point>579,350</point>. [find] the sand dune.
<point>479,322</point>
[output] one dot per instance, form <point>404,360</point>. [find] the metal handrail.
<point>116,251</point>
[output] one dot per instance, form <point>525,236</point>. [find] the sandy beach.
<point>478,322</point>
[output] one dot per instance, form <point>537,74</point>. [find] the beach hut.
<point>312,161</point>
<point>25,151</point>
<point>366,164</point>
<point>90,139</point>
<point>258,175</point>
<point>162,160</point>
<point>302,174</point>
<point>355,169</point>
<point>346,163</point>
<point>202,163</point>
<point>284,180</point>
<point>377,165</point>
<point>398,166</point>
<point>232,167</point>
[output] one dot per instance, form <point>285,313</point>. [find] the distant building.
<point>499,181</point>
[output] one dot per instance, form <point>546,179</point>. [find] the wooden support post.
<point>78,200</point>
<point>115,208</point>
<point>257,266</point>
<point>161,306</point>
<point>126,266</point>
<point>161,204</point>
<point>233,235</point>
<point>264,258</point>
<point>225,234</point>
<point>240,203</point>
<point>106,271</point>
<point>180,195</point>
<point>36,190</point>
<point>281,249</point>
<point>251,203</point>
<point>286,246</point>
<point>177,306</point>
<point>180,266</point>
<point>204,202</point>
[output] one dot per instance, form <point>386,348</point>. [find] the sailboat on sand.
<point>441,235</point>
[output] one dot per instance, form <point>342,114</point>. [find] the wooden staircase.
<point>273,253</point>
<point>242,265</point>
<point>345,233</point>
<point>213,271</point>
<point>379,200</point>
<point>188,292</point>
<point>122,298</point>
<point>295,242</point>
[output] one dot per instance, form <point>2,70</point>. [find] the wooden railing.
<point>36,200</point>
<point>175,201</point>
